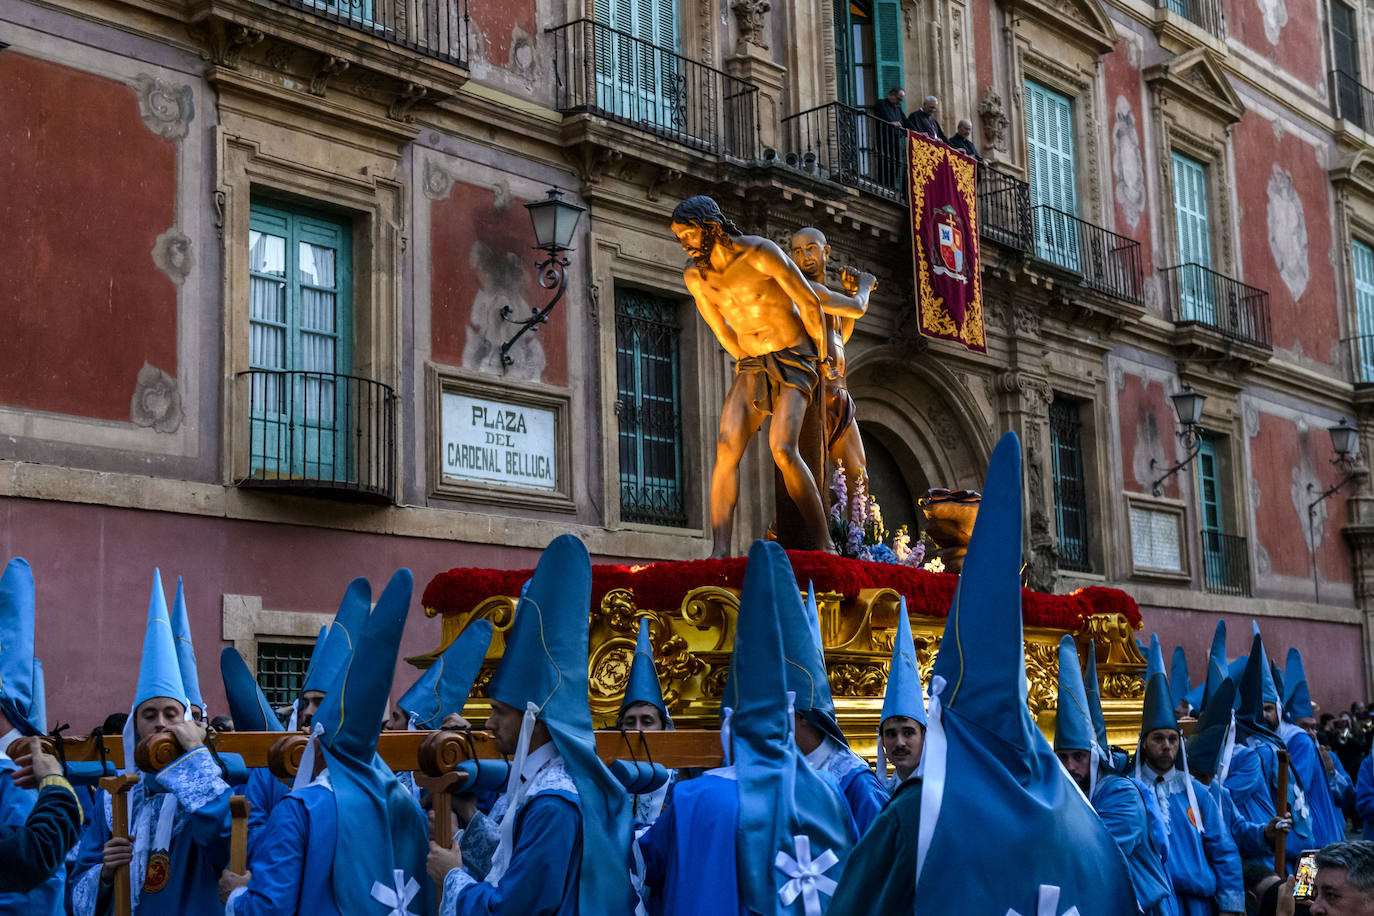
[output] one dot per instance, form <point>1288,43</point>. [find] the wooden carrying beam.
<point>431,752</point>
<point>118,788</point>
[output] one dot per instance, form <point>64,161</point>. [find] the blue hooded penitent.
<point>1179,685</point>
<point>186,653</point>
<point>381,854</point>
<point>1073,724</point>
<point>545,664</point>
<point>1256,688</point>
<point>643,686</point>
<point>1208,740</point>
<point>20,696</point>
<point>1158,708</point>
<point>1297,701</point>
<point>988,770</point>
<point>247,706</point>
<point>1094,696</point>
<point>787,811</point>
<point>159,672</point>
<point>445,685</point>
<point>329,658</point>
<point>1217,668</point>
<point>905,695</point>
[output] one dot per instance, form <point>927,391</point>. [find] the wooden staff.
<point>1281,806</point>
<point>239,808</point>
<point>118,788</point>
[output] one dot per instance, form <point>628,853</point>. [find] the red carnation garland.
<point>663,585</point>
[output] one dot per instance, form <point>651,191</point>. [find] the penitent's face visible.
<point>157,715</point>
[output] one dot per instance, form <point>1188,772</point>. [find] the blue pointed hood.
<point>783,803</point>
<point>988,770</point>
<point>1179,685</point>
<point>904,695</point>
<point>1256,687</point>
<point>1094,697</point>
<point>384,848</point>
<point>1207,740</point>
<point>1073,724</point>
<point>1217,668</point>
<point>1297,702</point>
<point>545,663</point>
<point>186,653</point>
<point>248,707</point>
<point>316,653</point>
<point>159,672</point>
<point>18,692</point>
<point>445,685</point>
<point>1158,709</point>
<point>642,686</point>
<point>38,712</point>
<point>1154,658</point>
<point>328,659</point>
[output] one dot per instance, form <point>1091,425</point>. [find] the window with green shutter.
<point>1194,239</point>
<point>300,339</point>
<point>1049,142</point>
<point>1362,261</point>
<point>868,50</point>
<point>637,70</point>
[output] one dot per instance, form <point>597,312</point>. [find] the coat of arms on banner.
<point>950,235</point>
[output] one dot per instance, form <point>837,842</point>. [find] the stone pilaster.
<point>755,64</point>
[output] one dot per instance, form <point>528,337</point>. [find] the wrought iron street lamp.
<point>1188,405</point>
<point>1345,442</point>
<point>555,221</point>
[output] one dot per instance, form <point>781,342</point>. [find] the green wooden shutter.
<point>887,40</point>
<point>1209,494</point>
<point>1197,298</point>
<point>1362,258</point>
<point>844,53</point>
<point>637,79</point>
<point>1049,142</point>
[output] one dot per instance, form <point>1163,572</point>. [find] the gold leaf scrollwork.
<point>1123,687</point>
<point>927,648</point>
<point>618,610</point>
<point>858,680</point>
<point>609,670</point>
<point>713,685</point>
<point>1042,668</point>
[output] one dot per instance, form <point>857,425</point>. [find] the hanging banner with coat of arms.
<point>942,187</point>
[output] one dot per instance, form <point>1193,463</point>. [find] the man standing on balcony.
<point>770,319</point>
<point>963,140</point>
<point>889,109</point>
<point>923,119</point>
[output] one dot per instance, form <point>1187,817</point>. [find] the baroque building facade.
<point>272,358</point>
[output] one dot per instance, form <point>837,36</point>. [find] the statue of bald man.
<point>769,318</point>
<point>843,444</point>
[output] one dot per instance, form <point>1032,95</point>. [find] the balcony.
<point>434,28</point>
<point>1202,297</point>
<point>1101,260</point>
<point>849,147</point>
<point>1205,15</point>
<point>1004,209</point>
<point>1351,101</point>
<point>611,74</point>
<point>1225,564</point>
<point>318,432</point>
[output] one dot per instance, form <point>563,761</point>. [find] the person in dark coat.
<point>34,850</point>
<point>889,109</point>
<point>923,120</point>
<point>963,140</point>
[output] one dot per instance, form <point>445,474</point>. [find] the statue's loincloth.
<point>839,414</point>
<point>793,367</point>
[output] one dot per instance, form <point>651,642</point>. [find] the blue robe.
<point>692,839</point>
<point>1248,835</point>
<point>199,847</point>
<point>1342,788</point>
<point>1120,803</point>
<point>47,899</point>
<point>545,862</point>
<point>293,862</point>
<point>263,792</point>
<point>1364,796</point>
<point>1328,824</point>
<point>864,793</point>
<point>1299,809</point>
<point>1251,793</point>
<point>1204,867</point>
<point>880,876</point>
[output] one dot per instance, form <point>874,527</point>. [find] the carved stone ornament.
<point>437,182</point>
<point>993,113</point>
<point>749,16</point>
<point>173,256</point>
<point>166,110</point>
<point>156,401</point>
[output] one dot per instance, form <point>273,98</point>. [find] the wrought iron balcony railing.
<point>1350,100</point>
<point>434,28</point>
<point>849,147</point>
<point>1206,13</point>
<point>1198,295</point>
<point>615,75</point>
<point>1106,262</point>
<point>1225,564</point>
<point>312,431</point>
<point>1004,209</point>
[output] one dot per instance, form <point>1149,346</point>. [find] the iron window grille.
<point>281,670</point>
<point>648,368</point>
<point>1070,486</point>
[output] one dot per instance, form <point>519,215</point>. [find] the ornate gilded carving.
<point>1042,672</point>
<point>849,679</point>
<point>1123,686</point>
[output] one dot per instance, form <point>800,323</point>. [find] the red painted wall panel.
<point>1286,32</point>
<point>1125,117</point>
<point>87,191</point>
<point>1332,652</point>
<point>498,22</point>
<point>1276,170</point>
<point>1147,424</point>
<point>1281,514</point>
<point>481,252</point>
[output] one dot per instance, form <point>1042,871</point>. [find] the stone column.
<point>1024,407</point>
<point>753,62</point>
